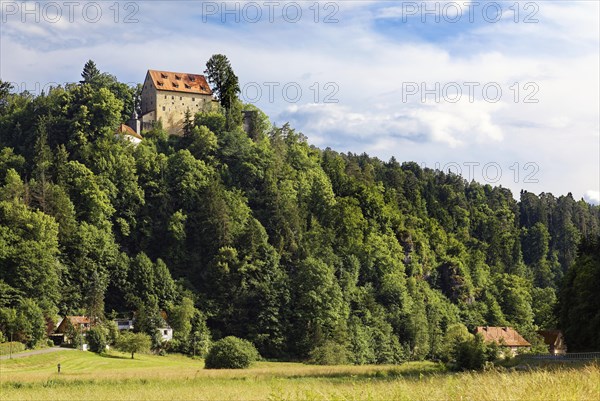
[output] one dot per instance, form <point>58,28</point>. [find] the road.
<point>36,352</point>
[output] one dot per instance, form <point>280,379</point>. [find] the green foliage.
<point>96,339</point>
<point>231,353</point>
<point>319,305</point>
<point>214,121</point>
<point>224,81</point>
<point>111,331</point>
<point>27,322</point>
<point>190,333</point>
<point>90,72</point>
<point>455,335</point>
<point>580,299</point>
<point>544,304</point>
<point>329,353</point>
<point>11,347</point>
<point>133,343</point>
<point>262,236</point>
<point>472,353</point>
<point>29,250</point>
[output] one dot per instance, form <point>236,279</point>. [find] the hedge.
<point>16,347</point>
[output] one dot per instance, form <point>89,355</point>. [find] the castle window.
<point>177,77</point>
<point>175,84</point>
<point>164,108</point>
<point>192,78</point>
<point>187,86</point>
<point>160,83</point>
<point>163,75</point>
<point>193,99</point>
<point>172,97</point>
<point>165,96</point>
<point>180,98</point>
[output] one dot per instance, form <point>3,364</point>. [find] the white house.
<point>166,333</point>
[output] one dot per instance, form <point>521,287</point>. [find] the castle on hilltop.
<point>166,96</point>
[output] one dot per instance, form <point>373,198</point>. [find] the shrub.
<point>473,353</point>
<point>96,339</point>
<point>5,348</point>
<point>470,355</point>
<point>455,334</point>
<point>329,353</point>
<point>231,353</point>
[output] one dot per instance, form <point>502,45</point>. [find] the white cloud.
<point>592,196</point>
<point>559,54</point>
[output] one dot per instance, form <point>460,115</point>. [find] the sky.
<point>506,93</point>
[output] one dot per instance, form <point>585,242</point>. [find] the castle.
<point>166,96</point>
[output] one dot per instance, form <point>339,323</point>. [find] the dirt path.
<point>36,352</point>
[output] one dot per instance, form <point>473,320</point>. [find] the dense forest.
<point>262,236</point>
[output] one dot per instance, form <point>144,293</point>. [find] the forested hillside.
<point>265,237</point>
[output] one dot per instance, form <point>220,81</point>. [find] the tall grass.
<point>86,376</point>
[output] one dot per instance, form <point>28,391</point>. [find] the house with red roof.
<point>505,337</point>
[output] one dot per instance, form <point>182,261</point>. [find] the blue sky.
<point>353,76</point>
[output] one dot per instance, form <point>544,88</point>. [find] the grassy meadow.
<point>87,376</point>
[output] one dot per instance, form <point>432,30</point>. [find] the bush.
<point>473,353</point>
<point>231,353</point>
<point>329,353</point>
<point>5,348</point>
<point>455,334</point>
<point>96,340</point>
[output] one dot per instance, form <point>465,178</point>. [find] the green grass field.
<point>86,376</point>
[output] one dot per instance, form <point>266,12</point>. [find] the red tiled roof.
<point>180,82</point>
<point>127,130</point>
<point>502,335</point>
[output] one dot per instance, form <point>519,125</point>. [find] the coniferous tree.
<point>90,73</point>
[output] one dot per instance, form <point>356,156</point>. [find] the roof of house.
<point>550,336</point>
<point>180,82</point>
<point>78,319</point>
<point>74,321</point>
<point>502,335</point>
<point>127,130</point>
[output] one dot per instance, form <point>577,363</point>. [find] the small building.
<point>166,333</point>
<point>167,96</point>
<point>504,336</point>
<point>124,324</point>
<point>80,324</point>
<point>555,341</point>
<point>126,132</point>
